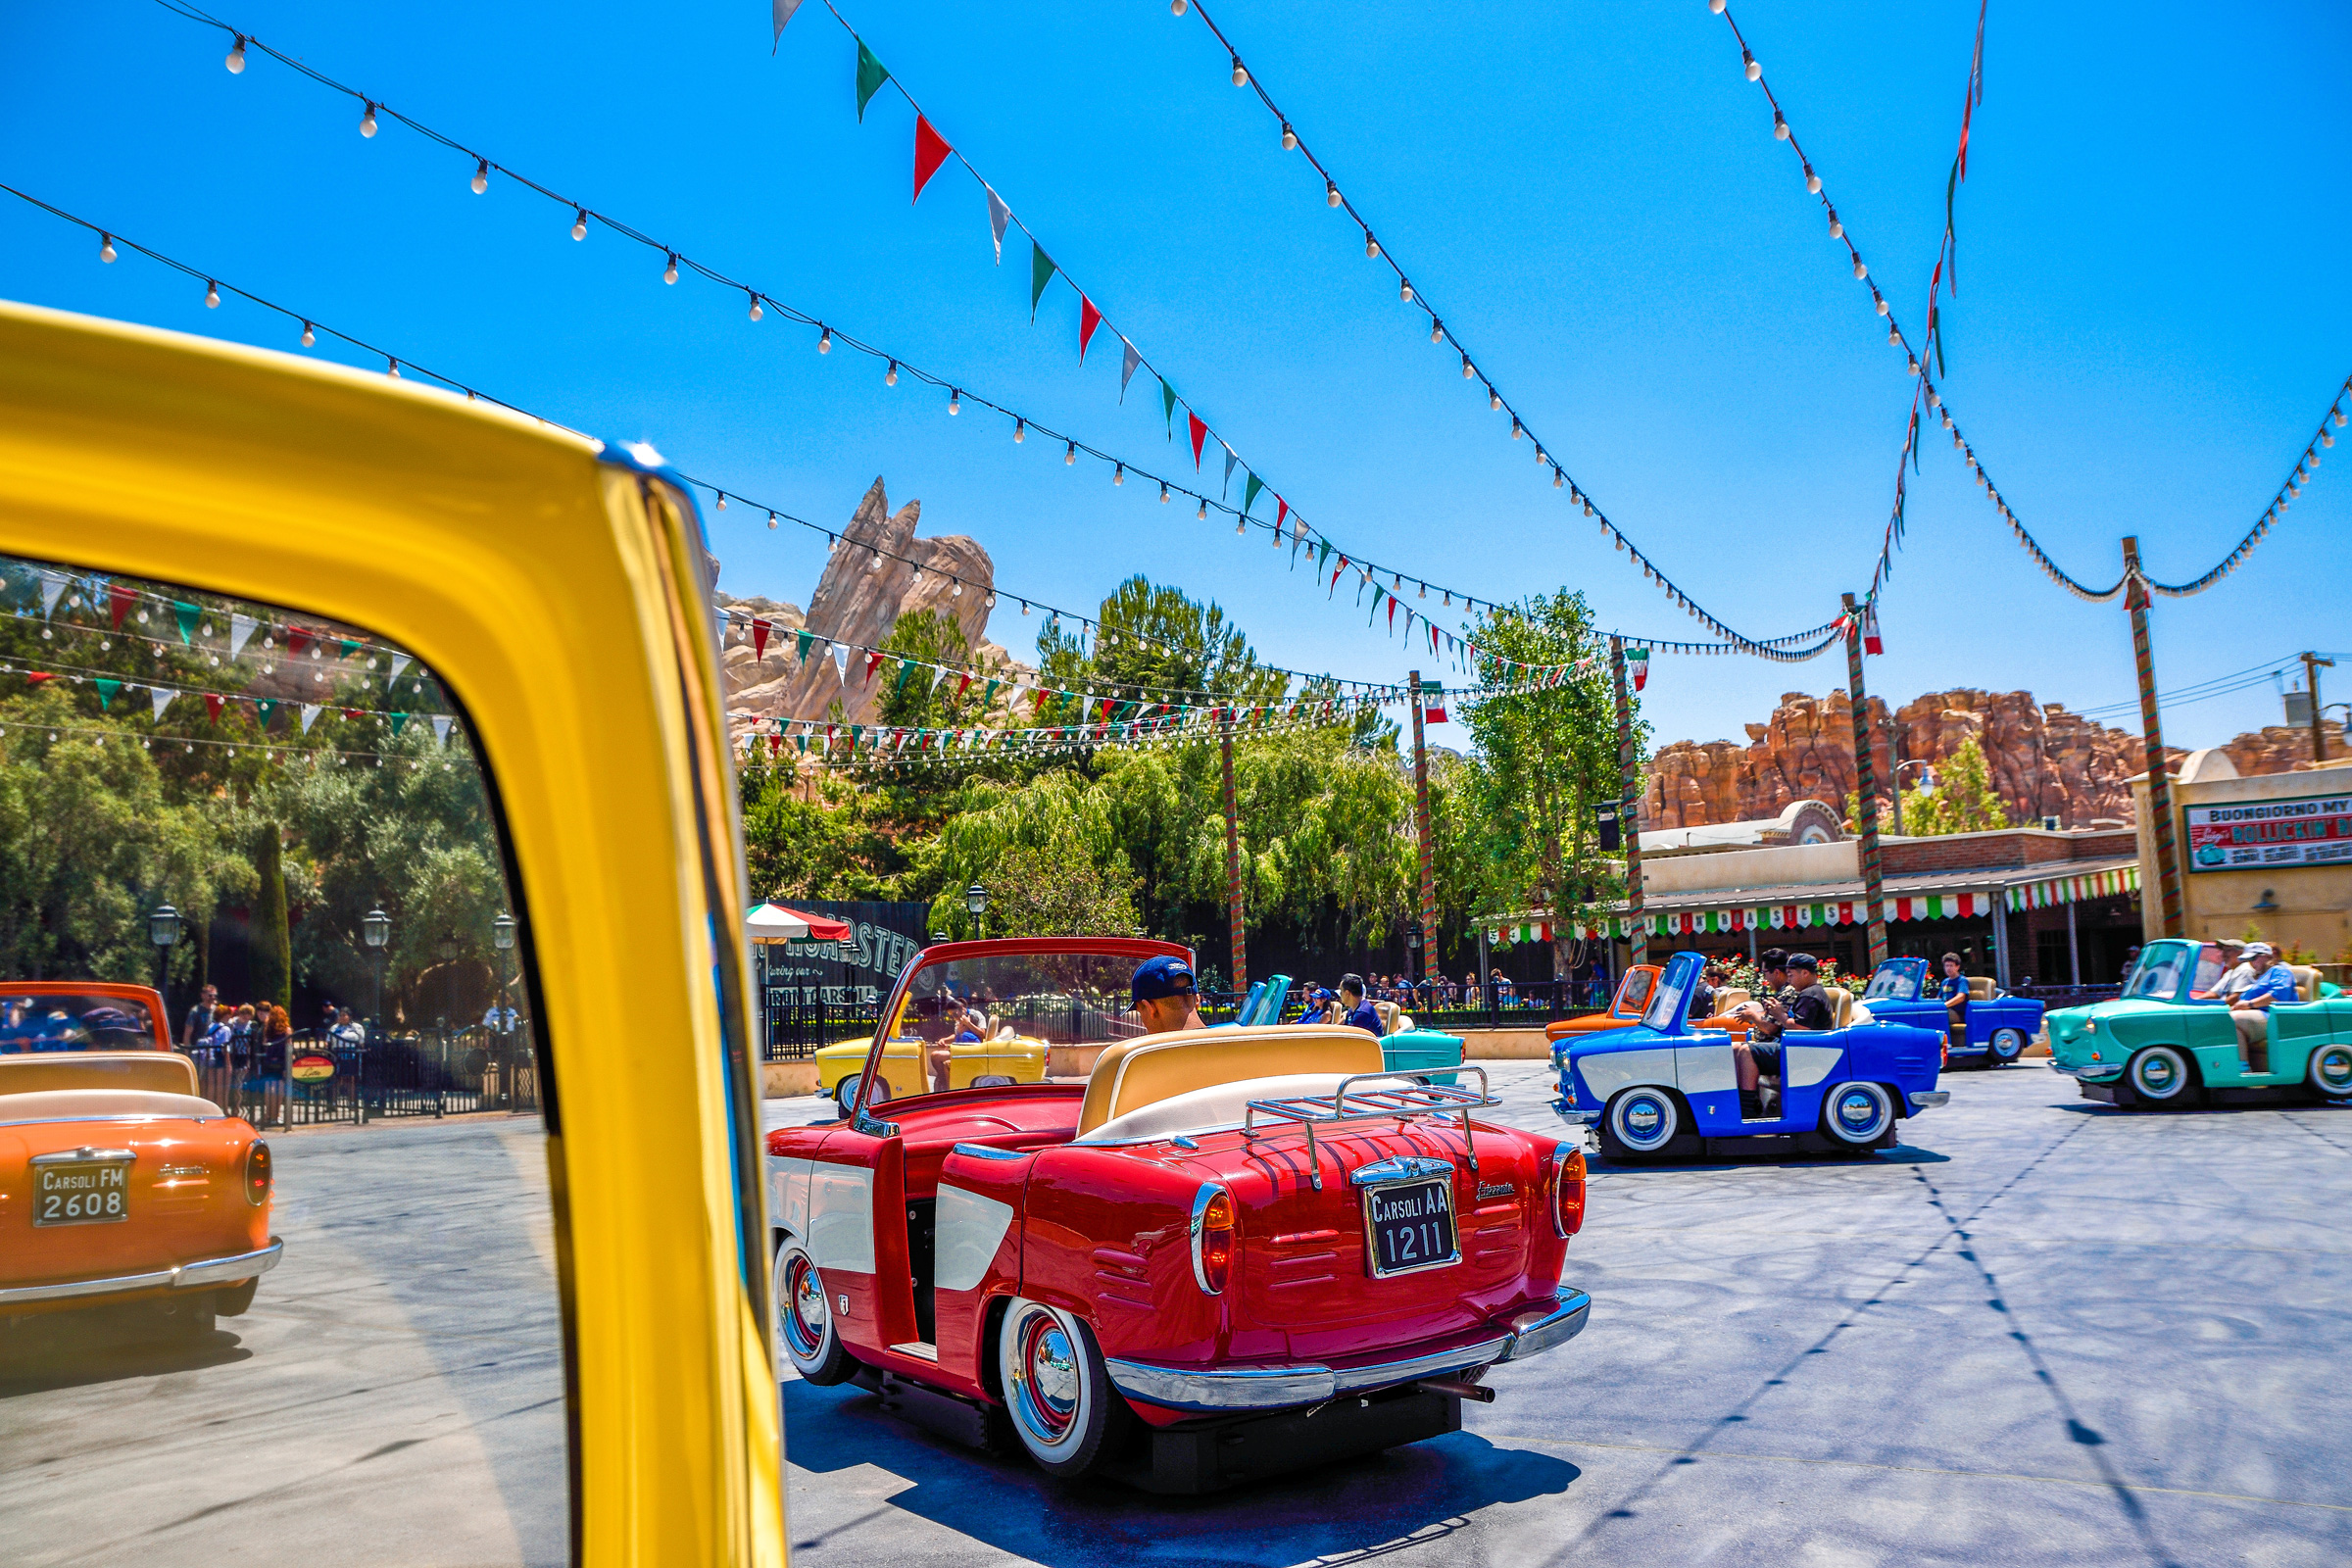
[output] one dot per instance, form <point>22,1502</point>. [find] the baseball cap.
<point>1162,977</point>
<point>2263,949</point>
<point>1804,961</point>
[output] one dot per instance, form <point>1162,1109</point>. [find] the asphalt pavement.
<point>2042,1331</point>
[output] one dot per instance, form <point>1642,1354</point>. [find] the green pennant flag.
<point>857,733</point>
<point>905,668</point>
<point>807,638</point>
<point>870,76</point>
<point>187,617</point>
<point>1322,554</point>
<point>1167,405</point>
<point>399,721</point>
<point>1041,272</point>
<point>803,740</point>
<point>1249,492</point>
<point>267,707</point>
<point>106,692</point>
<point>348,647</point>
<point>989,696</point>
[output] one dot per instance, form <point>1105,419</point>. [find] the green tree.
<point>272,964</point>
<point>1963,800</point>
<point>1057,888</point>
<point>1544,760</point>
<point>1159,638</point>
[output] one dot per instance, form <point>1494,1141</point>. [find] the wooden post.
<point>2159,782</point>
<point>1628,809</point>
<point>1866,789</point>
<point>2312,664</point>
<point>1429,878</point>
<point>1233,865</point>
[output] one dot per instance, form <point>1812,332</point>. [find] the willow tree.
<point>1542,763</point>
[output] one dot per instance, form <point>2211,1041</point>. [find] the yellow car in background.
<point>971,1064</point>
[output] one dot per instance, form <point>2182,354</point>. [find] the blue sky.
<point>2151,320</point>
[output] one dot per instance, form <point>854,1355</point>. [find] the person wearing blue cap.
<point>1164,996</point>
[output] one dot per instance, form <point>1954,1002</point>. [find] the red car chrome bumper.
<point>202,1273</point>
<point>1209,1391</point>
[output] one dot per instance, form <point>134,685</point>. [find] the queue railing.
<point>314,1079</point>
<point>1451,1011</point>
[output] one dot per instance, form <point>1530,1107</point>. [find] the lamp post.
<point>1926,786</point>
<point>1412,952</point>
<point>163,929</point>
<point>375,929</point>
<point>975,900</point>
<point>501,937</point>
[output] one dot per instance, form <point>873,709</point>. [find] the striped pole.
<point>1628,805</point>
<point>1429,878</point>
<point>1232,863</point>
<point>1866,789</point>
<point>2159,782</point>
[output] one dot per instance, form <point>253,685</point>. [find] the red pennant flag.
<point>297,640</point>
<point>351,712</point>
<point>1087,320</point>
<point>962,686</point>
<point>873,661</point>
<point>1335,570</point>
<point>760,631</point>
<point>775,744</point>
<point>930,151</point>
<point>1199,434</point>
<point>1392,614</point>
<point>212,706</point>
<point>119,600</point>
<point>37,676</point>
<point>1282,510</point>
<point>1871,643</point>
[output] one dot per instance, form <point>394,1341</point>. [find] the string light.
<point>1241,77</point>
<point>481,176</point>
<point>106,248</point>
<point>211,295</point>
<point>1371,246</point>
<point>670,274</point>
<point>1020,431</point>
<point>236,56</point>
<point>367,121</point>
<point>1118,475</point>
<point>310,337</point>
<point>1290,138</point>
<point>772,520</point>
<point>1330,193</point>
<point>579,223</point>
<point>722,501</point>
<point>1437,330</point>
<point>955,400</point>
<point>1070,454</point>
<point>1202,514</point>
<point>1164,492</point>
<point>890,378</point>
<point>824,345</point>
<point>756,312</point>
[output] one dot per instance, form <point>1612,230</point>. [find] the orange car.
<point>1634,991</point>
<point>118,1183</point>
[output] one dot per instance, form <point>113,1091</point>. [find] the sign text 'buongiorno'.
<point>2258,834</point>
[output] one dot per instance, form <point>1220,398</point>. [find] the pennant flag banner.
<point>119,601</point>
<point>187,617</point>
<point>1087,320</point>
<point>400,661</point>
<point>1128,362</point>
<point>998,214</point>
<point>870,78</point>
<point>241,630</point>
<point>1637,660</point>
<point>310,712</point>
<point>53,587</point>
<point>106,692</point>
<point>1041,272</point>
<point>441,729</point>
<point>930,151</point>
<point>160,697</point>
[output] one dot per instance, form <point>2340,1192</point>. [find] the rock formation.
<point>878,571</point>
<point>2277,749</point>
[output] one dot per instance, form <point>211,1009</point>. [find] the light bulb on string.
<point>1837,229</point>
<point>825,340</point>
<point>1468,373</point>
<point>1290,138</point>
<point>1020,431</point>
<point>579,223</point>
<point>106,248</point>
<point>236,55</point>
<point>309,338</point>
<point>1860,271</point>
<point>721,502</point>
<point>1330,193</point>
<point>367,121</point>
<point>890,378</point>
<point>1877,297</point>
<point>1557,479</point>
<point>1202,514</point>
<point>670,274</point>
<point>211,295</point>
<point>1494,400</point>
<point>1437,331</point>
<point>481,176</point>
<point>1812,182</point>
<point>1176,7</point>
<point>1516,430</point>
<point>955,400</point>
<point>1118,475</point>
<point>1404,291</point>
<point>1779,125</point>
<point>1164,492</point>
<point>755,310</point>
<point>392,367</point>
<point>1241,72</point>
<point>772,520</point>
<point>1070,454</point>
<point>1754,71</point>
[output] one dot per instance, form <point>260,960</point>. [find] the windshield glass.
<point>1681,970</point>
<point>1896,980</point>
<point>61,1022</point>
<point>1633,995</point>
<point>1063,999</point>
<point>2160,971</point>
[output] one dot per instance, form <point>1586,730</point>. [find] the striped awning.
<point>2063,890</point>
<point>1793,916</point>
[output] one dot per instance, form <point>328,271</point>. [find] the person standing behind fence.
<point>199,1021</point>
<point>348,1030</point>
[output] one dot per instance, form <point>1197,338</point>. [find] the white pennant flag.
<point>400,661</point>
<point>53,584</point>
<point>1231,457</point>
<point>441,729</point>
<point>941,683</point>
<point>1127,364</point>
<point>998,214</point>
<point>841,663</point>
<point>780,11</point>
<point>240,629</point>
<point>162,697</point>
<point>309,712</point>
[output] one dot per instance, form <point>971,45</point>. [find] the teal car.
<point>2168,1042</point>
<point>1427,1052</point>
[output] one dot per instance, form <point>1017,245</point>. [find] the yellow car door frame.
<point>560,591</point>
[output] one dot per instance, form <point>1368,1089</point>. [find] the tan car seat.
<point>1981,988</point>
<point>1389,1012</point>
<point>2307,982</point>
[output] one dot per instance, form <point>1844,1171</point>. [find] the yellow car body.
<point>1019,1061</point>
<point>558,589</point>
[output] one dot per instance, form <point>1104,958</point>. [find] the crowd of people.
<point>1498,990</point>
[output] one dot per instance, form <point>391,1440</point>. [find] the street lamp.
<point>375,929</point>
<point>501,937</point>
<point>163,929</point>
<point>1413,946</point>
<point>975,900</point>
<point>1926,786</point>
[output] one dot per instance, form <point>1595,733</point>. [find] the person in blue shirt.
<point>2273,983</point>
<point>1955,997</point>
<point>1361,1014</point>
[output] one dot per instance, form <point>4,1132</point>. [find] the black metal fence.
<point>2055,996</point>
<point>316,1080</point>
<point>1451,1010</point>
<point>796,1030</point>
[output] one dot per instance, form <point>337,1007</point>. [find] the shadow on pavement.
<point>72,1349</point>
<point>1352,1511</point>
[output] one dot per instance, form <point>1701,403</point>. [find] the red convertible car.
<point>118,1183</point>
<point>1224,1254</point>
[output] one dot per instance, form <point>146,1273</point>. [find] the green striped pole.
<point>1628,805</point>
<point>1429,879</point>
<point>1233,865</point>
<point>1866,788</point>
<point>2159,782</point>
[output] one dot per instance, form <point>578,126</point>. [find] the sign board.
<point>884,939</point>
<point>2263,835</point>
<point>312,1069</point>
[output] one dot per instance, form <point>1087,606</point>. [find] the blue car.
<point>1999,1027</point>
<point>1659,1090</point>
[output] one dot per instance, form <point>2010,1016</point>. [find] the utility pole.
<point>1628,809</point>
<point>2159,782</point>
<point>1233,864</point>
<point>2312,664</point>
<point>1429,879</point>
<point>1866,789</point>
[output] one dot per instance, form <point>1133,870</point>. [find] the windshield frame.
<point>886,1022</point>
<point>147,997</point>
<point>1916,971</point>
<point>1673,984</point>
<point>2174,952</point>
<point>1650,974</point>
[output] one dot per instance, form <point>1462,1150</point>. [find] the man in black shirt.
<point>1807,1004</point>
<point>1758,1056</point>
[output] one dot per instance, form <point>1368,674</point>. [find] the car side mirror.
<point>873,1126</point>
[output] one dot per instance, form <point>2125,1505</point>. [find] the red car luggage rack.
<point>1419,1098</point>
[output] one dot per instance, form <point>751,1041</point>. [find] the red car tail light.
<point>1567,1190</point>
<point>1212,1238</point>
<point>257,1174</point>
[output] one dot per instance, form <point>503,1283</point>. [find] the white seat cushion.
<point>75,1104</point>
<point>1219,1106</point>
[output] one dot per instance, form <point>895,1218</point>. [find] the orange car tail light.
<point>257,1174</point>
<point>1212,1238</point>
<point>1567,1190</point>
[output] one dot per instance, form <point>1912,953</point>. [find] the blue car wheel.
<point>2160,1076</point>
<point>1642,1120</point>
<point>2330,1071</point>
<point>1857,1115</point>
<point>2005,1046</point>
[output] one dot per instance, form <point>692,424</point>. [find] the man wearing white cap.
<point>2249,1010</point>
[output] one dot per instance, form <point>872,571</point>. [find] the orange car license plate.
<point>82,1193</point>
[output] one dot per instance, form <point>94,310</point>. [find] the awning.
<point>2074,889</point>
<point>773,922</point>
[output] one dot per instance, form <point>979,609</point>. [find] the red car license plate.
<point>85,1193</point>
<point>1409,1227</point>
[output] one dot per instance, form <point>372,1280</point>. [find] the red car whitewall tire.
<point>1057,1390</point>
<point>804,1321</point>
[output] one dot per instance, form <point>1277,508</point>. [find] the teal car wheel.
<point>2005,1046</point>
<point>2330,1071</point>
<point>1857,1115</point>
<point>1641,1122</point>
<point>2160,1076</point>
